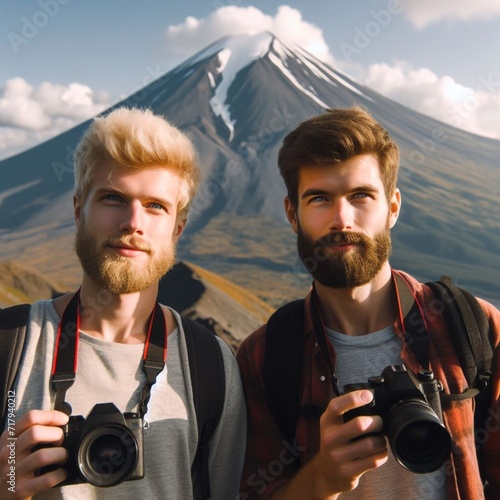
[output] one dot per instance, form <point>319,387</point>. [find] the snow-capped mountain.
<point>237,99</point>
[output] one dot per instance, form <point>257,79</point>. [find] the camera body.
<point>104,449</point>
<point>410,408</point>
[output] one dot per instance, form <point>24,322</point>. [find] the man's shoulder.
<point>254,342</point>
<point>21,313</point>
<point>428,297</point>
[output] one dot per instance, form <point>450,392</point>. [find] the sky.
<point>63,61</point>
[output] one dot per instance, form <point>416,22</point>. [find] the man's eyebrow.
<point>367,188</point>
<point>108,189</point>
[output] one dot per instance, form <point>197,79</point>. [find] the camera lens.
<point>418,439</point>
<point>108,455</point>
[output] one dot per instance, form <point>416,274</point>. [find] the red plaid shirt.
<point>268,464</point>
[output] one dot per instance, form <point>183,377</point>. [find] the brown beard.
<point>346,269</point>
<point>114,272</point>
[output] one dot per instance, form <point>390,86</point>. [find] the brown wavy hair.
<point>334,137</point>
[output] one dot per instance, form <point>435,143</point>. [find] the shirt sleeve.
<point>490,450</point>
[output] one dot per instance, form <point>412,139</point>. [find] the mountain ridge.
<point>449,178</point>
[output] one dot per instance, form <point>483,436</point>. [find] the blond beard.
<point>116,273</point>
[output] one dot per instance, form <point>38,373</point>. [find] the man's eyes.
<point>322,198</point>
<point>157,206</point>
<point>116,198</point>
<point>318,198</point>
<point>360,195</point>
<point>113,197</point>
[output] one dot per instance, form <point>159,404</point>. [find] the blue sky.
<point>63,61</point>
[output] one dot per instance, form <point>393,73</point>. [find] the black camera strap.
<point>66,353</point>
<point>412,321</point>
<point>319,331</point>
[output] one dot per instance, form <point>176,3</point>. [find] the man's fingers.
<point>360,466</point>
<point>41,417</point>
<point>333,415</point>
<point>43,457</point>
<point>39,434</point>
<point>361,448</point>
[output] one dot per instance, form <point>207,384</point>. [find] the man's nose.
<point>133,218</point>
<point>341,216</point>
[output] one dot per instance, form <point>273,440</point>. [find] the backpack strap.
<point>13,321</point>
<point>207,378</point>
<point>471,335</point>
<point>462,312</point>
<point>206,365</point>
<point>284,350</point>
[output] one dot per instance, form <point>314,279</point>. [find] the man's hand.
<point>34,428</point>
<point>344,455</point>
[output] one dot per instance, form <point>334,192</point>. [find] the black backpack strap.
<point>284,350</point>
<point>206,365</point>
<point>13,321</point>
<point>471,335</point>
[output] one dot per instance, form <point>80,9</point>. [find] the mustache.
<point>128,241</point>
<point>342,237</point>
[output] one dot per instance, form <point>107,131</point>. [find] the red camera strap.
<point>66,353</point>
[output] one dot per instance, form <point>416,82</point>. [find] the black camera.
<point>104,449</point>
<point>410,408</point>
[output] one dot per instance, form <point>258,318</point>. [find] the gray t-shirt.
<point>360,357</point>
<point>111,372</point>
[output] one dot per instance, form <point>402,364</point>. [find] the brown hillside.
<point>226,309</point>
<point>20,284</point>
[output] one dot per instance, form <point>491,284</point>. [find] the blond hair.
<point>133,139</point>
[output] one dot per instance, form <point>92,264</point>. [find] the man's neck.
<point>360,310</point>
<point>121,318</point>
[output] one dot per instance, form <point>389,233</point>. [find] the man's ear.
<point>394,207</point>
<point>291,214</point>
<point>77,207</point>
<point>179,227</point>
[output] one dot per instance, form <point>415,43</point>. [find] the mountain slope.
<point>236,100</point>
<point>226,309</point>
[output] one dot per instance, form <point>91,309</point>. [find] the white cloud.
<point>473,109</point>
<point>287,24</point>
<point>423,13</point>
<point>30,115</point>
